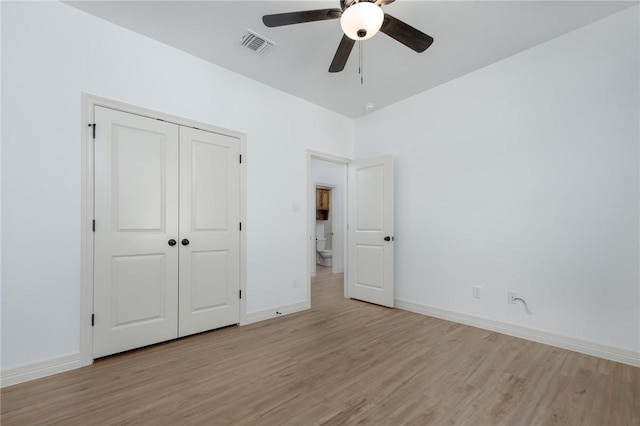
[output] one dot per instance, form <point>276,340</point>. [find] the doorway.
<point>368,244</point>
<point>327,224</point>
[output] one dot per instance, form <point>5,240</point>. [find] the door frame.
<point>89,102</point>
<point>311,202</point>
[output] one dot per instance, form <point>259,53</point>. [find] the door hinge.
<point>93,319</point>
<point>240,158</point>
<point>240,294</point>
<point>241,226</point>
<point>93,125</point>
<point>93,225</point>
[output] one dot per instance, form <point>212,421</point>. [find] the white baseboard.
<point>13,376</point>
<point>582,346</point>
<point>275,312</point>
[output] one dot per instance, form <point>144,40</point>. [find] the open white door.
<point>370,241</point>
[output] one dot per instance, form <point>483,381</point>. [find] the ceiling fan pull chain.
<point>361,68</point>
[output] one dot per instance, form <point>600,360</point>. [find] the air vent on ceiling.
<point>257,43</point>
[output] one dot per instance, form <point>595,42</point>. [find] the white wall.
<point>523,176</point>
<point>51,53</point>
<point>334,174</point>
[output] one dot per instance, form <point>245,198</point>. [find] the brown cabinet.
<point>322,204</point>
<point>322,199</point>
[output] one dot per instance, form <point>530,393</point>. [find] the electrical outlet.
<point>294,283</point>
<point>511,297</point>
<point>476,292</point>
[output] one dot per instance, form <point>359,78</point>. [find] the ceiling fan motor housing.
<point>361,20</point>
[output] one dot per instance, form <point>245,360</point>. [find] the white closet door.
<point>136,214</point>
<point>209,231</point>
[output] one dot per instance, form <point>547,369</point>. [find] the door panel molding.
<point>89,102</point>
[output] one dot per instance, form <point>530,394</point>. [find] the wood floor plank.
<point>340,362</point>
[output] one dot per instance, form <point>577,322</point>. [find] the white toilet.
<point>324,255</point>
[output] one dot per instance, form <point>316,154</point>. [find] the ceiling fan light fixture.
<point>362,20</point>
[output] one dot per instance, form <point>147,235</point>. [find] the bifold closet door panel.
<point>136,214</point>
<point>209,231</point>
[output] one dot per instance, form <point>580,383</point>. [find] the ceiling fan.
<point>360,20</point>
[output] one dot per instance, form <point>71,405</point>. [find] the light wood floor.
<point>341,362</point>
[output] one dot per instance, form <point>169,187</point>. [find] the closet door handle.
<point>185,242</point>
<point>387,238</point>
<point>172,242</point>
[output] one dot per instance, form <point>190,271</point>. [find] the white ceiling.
<point>468,35</point>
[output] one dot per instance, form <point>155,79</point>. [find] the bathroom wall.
<point>328,230</point>
<point>320,233</point>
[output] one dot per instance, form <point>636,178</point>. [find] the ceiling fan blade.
<point>280,19</point>
<point>342,54</point>
<point>384,2</point>
<point>346,3</point>
<point>405,34</point>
